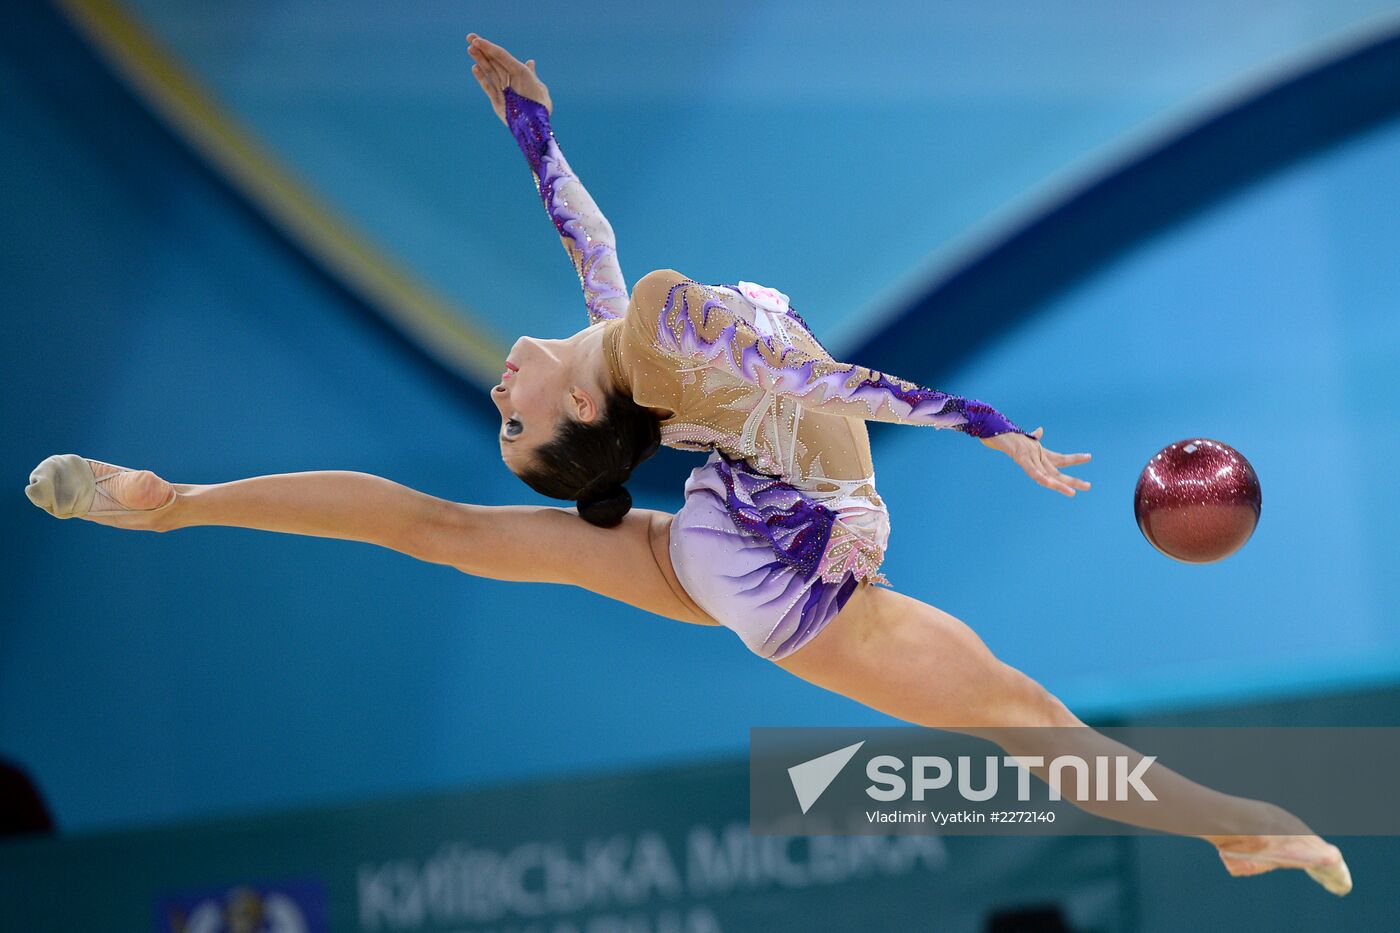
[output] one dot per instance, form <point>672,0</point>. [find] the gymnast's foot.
<point>69,486</point>
<point>1254,855</point>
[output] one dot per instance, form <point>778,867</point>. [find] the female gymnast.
<point>781,534</point>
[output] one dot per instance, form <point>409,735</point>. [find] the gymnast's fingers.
<point>480,75</point>
<point>482,68</point>
<point>506,64</point>
<point>1034,471</point>
<point>491,91</point>
<point>507,60</point>
<point>492,63</point>
<point>1076,482</point>
<point>1047,458</point>
<point>1067,459</point>
<point>1051,478</point>
<point>474,47</point>
<point>1050,482</point>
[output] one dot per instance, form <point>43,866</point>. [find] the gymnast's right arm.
<point>522,102</point>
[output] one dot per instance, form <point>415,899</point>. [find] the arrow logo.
<point>811,778</point>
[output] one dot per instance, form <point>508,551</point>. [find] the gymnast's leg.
<point>920,664</point>
<point>629,563</point>
<point>885,650</point>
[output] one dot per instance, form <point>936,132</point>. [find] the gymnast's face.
<point>538,389</point>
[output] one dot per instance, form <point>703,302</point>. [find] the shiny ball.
<point>1197,500</point>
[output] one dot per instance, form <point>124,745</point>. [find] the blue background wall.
<point>154,320</point>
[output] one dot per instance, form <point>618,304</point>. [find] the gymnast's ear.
<point>582,405</point>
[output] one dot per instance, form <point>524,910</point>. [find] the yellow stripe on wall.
<point>330,240</point>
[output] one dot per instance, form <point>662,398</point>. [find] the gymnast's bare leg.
<point>885,650</point>
<point>920,664</point>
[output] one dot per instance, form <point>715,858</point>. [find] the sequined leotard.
<point>782,522</point>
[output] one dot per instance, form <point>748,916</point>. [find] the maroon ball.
<point>1197,500</point>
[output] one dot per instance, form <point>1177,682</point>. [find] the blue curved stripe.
<point>1299,116</point>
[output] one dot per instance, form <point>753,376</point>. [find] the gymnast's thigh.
<point>630,563</point>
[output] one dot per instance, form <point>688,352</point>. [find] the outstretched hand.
<point>495,69</point>
<point>1040,463</point>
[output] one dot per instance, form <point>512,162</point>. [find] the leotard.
<point>782,522</point>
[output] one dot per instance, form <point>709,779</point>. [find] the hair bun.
<point>606,507</point>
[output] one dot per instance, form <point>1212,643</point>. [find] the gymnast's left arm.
<point>522,102</point>
<point>696,322</point>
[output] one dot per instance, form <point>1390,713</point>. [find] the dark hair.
<point>589,462</point>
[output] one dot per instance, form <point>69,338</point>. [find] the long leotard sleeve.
<point>697,326</point>
<point>586,233</point>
